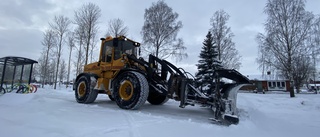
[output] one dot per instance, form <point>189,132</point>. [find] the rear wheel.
<point>2,91</point>
<point>84,91</point>
<point>157,99</point>
<point>130,90</point>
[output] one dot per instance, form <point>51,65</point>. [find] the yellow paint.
<point>126,90</point>
<point>82,89</point>
<point>107,71</point>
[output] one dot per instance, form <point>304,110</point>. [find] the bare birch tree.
<point>80,54</point>
<point>63,71</point>
<point>314,41</point>
<point>79,63</point>
<point>52,70</point>
<point>264,59</point>
<point>117,28</point>
<point>93,47</point>
<point>49,41</point>
<point>60,26</point>
<point>228,55</point>
<point>41,68</point>
<point>87,17</point>
<point>71,45</point>
<point>160,32</point>
<point>287,27</point>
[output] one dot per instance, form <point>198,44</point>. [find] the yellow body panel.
<point>107,71</point>
<point>92,68</point>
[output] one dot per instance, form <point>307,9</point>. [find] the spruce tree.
<point>208,63</point>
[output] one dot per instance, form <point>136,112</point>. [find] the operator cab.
<point>118,46</point>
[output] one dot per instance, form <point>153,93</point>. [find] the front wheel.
<point>130,90</point>
<point>157,99</point>
<point>111,98</point>
<point>84,91</point>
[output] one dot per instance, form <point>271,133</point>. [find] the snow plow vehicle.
<point>131,81</point>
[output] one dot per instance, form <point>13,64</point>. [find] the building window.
<point>283,84</point>
<point>269,83</point>
<point>274,84</point>
<point>278,84</point>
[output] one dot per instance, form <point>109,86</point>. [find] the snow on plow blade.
<point>229,106</point>
<point>232,75</point>
<point>228,95</point>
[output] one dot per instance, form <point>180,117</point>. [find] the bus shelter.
<point>11,62</point>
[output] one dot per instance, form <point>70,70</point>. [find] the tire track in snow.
<point>133,125</point>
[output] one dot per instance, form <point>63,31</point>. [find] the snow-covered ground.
<point>55,113</point>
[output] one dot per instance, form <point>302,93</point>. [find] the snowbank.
<point>55,113</point>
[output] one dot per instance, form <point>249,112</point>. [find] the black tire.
<point>130,90</point>
<point>111,98</point>
<point>2,91</point>
<point>84,90</point>
<point>157,99</point>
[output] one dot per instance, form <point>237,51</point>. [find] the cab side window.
<point>108,53</point>
<point>117,53</point>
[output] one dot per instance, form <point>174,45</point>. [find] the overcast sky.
<point>22,23</point>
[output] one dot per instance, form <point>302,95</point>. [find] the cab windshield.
<point>122,47</point>
<point>127,47</point>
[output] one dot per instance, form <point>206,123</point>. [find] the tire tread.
<point>144,88</point>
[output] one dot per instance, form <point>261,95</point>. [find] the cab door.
<point>106,60</point>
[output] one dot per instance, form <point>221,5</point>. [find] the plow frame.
<point>166,79</point>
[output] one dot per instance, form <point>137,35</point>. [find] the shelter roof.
<point>15,61</point>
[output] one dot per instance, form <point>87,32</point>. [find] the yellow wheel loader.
<point>131,81</point>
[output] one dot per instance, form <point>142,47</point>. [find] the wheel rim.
<point>82,89</point>
<point>126,90</point>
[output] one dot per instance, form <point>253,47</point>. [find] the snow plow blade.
<point>223,100</point>
<point>227,94</point>
<point>229,99</point>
